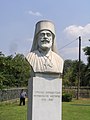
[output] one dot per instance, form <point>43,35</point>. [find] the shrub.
<point>66,97</point>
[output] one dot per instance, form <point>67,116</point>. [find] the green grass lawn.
<point>12,111</point>
<point>75,110</point>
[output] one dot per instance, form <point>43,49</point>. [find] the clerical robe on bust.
<point>43,56</point>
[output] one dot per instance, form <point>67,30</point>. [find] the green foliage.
<point>14,71</point>
<point>66,97</point>
<point>87,53</point>
<point>2,78</point>
<point>71,71</point>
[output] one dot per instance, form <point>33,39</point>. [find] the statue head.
<point>45,40</point>
<point>44,30</point>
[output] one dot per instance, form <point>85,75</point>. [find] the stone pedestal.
<point>44,98</point>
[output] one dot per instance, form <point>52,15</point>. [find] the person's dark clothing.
<point>22,97</point>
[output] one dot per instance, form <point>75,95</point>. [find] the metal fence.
<point>84,92</point>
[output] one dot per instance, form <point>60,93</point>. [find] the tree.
<point>21,70</point>
<point>14,71</point>
<point>87,53</point>
<point>67,72</point>
<point>71,70</point>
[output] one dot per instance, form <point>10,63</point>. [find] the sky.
<point>70,17</point>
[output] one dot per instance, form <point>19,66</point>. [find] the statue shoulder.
<point>32,55</point>
<point>58,57</point>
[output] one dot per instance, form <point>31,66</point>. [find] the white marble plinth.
<point>44,96</point>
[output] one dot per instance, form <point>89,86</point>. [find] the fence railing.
<point>84,92</point>
<point>9,94</point>
<point>13,93</point>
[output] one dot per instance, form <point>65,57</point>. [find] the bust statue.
<point>43,56</point>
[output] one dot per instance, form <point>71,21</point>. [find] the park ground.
<point>74,110</point>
